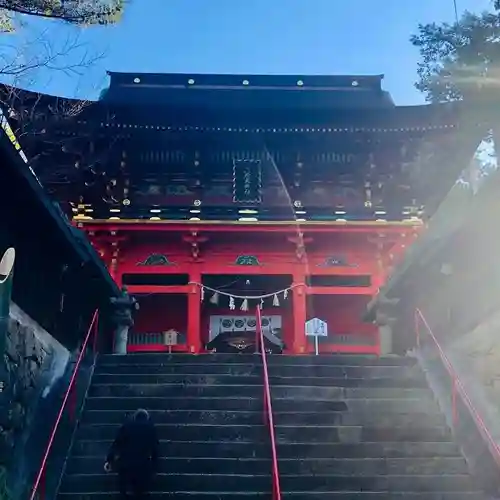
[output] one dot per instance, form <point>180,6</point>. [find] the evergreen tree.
<point>460,61</point>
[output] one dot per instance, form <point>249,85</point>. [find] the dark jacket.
<point>135,446</point>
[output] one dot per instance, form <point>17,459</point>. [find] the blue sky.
<point>254,36</point>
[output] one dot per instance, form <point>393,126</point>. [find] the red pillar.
<point>378,279</point>
<point>299,318</point>
<point>114,261</point>
<point>194,315</point>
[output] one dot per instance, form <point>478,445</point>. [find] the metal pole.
<point>316,345</point>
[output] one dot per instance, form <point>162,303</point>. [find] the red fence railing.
<point>457,387</point>
<point>69,401</point>
<point>268,408</point>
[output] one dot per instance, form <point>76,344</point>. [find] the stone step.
<point>305,466</point>
<point>185,432</point>
<point>182,449</point>
<point>285,434</point>
<point>152,359</point>
<point>250,482</point>
<point>342,371</point>
<point>383,418</point>
<point>214,391</point>
<point>248,449</point>
<point>341,359</point>
<point>257,380</point>
<point>159,358</point>
<point>427,404</point>
<point>312,495</point>
<point>357,434</point>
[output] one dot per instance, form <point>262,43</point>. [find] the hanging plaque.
<point>247,181</point>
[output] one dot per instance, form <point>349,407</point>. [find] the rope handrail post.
<point>268,411</point>
<point>39,488</point>
<point>458,389</point>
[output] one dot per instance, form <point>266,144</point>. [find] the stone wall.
<point>35,364</point>
<point>476,356</point>
<point>476,447</point>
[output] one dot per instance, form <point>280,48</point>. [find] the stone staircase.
<point>361,428</point>
<point>208,411</point>
<point>351,428</point>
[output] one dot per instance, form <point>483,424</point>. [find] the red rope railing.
<point>457,388</point>
<point>268,409</point>
<point>70,395</point>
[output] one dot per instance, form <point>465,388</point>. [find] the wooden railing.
<point>69,404</point>
<point>457,387</point>
<point>268,407</point>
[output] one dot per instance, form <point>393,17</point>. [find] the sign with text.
<point>170,337</point>
<point>247,181</point>
<point>316,328</point>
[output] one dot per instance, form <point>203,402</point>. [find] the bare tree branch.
<point>69,56</point>
<point>40,123</point>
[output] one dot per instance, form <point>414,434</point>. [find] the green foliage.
<point>460,60</point>
<point>6,25</point>
<point>81,12</point>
